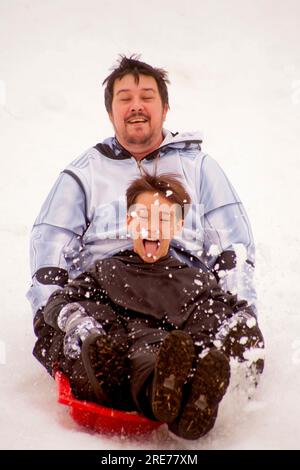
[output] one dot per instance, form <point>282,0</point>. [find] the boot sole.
<point>208,387</point>
<point>174,362</point>
<point>102,363</point>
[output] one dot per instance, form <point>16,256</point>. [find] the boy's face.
<point>152,223</point>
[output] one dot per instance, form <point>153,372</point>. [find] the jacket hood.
<point>111,148</point>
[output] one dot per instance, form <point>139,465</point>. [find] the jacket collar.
<point>131,258</point>
<point>111,148</point>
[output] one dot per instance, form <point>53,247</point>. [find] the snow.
<point>2,93</point>
<point>235,75</point>
<point>251,322</point>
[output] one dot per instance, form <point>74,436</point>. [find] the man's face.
<point>137,113</point>
<point>152,223</point>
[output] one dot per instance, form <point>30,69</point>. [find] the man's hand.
<point>77,325</point>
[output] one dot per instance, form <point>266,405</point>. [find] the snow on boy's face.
<point>152,223</point>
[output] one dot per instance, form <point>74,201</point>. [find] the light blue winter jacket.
<point>84,216</point>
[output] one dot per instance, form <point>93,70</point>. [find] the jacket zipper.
<point>140,166</point>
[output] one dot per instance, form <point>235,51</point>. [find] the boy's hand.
<point>77,325</point>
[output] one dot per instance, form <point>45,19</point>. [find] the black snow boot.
<point>172,368</point>
<point>204,394</point>
<point>107,368</point>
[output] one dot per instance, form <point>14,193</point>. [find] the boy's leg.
<point>146,340</point>
<point>160,363</point>
<point>107,366</point>
<point>172,369</point>
<point>48,350</point>
<point>212,375</point>
<point>202,396</point>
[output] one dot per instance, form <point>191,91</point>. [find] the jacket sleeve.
<point>56,239</point>
<point>228,241</point>
<point>84,289</point>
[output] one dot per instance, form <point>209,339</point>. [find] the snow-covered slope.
<point>235,73</point>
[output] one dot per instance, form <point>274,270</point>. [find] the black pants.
<point>142,336</point>
<point>146,336</point>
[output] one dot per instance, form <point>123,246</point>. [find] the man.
<point>84,216</point>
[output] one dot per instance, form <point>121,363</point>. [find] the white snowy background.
<point>235,73</point>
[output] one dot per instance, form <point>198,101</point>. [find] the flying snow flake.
<point>87,295</point>
<point>241,253</point>
<point>133,214</point>
<point>169,192</point>
<point>170,275</point>
<point>243,340</point>
<point>251,322</point>
<point>221,273</point>
<point>254,354</point>
<point>198,282</point>
<point>214,250</point>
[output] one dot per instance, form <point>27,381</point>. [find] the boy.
<point>144,331</point>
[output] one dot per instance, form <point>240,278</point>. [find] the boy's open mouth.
<point>151,247</point>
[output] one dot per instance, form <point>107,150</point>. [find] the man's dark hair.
<point>131,65</point>
<point>167,185</point>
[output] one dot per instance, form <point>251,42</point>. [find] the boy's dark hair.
<point>167,185</point>
<point>135,67</point>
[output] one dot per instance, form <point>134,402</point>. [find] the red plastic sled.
<point>99,418</point>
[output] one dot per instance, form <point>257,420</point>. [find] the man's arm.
<point>228,242</point>
<point>68,310</point>
<point>55,244</point>
<point>83,290</point>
